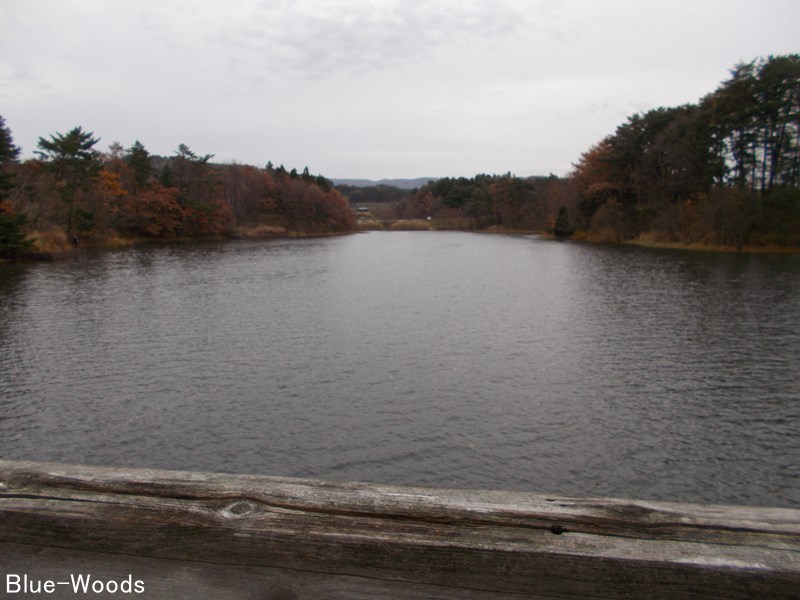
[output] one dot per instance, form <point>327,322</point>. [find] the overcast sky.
<point>370,88</point>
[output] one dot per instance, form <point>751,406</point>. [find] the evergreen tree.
<point>138,159</point>
<point>562,229</point>
<point>9,154</point>
<point>75,165</point>
<point>12,239</point>
<point>189,171</point>
<point>756,122</point>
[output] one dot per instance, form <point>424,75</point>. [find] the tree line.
<point>71,191</point>
<point>484,201</point>
<point>724,171</point>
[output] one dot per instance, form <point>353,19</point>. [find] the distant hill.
<point>403,184</point>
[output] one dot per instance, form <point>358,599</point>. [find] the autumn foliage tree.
<point>308,208</point>
<point>74,189</point>
<point>251,194</point>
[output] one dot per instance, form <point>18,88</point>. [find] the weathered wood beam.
<point>266,537</point>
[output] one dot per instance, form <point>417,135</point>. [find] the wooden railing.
<point>170,534</point>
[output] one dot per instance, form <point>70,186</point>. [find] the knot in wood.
<point>237,510</point>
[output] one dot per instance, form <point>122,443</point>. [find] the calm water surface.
<point>429,358</point>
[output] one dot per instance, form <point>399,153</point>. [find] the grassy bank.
<point>401,225</point>
<point>708,247</point>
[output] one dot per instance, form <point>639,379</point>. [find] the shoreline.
<point>641,242</point>
<point>272,232</point>
<point>116,242</point>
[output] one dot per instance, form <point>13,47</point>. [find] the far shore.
<point>644,241</point>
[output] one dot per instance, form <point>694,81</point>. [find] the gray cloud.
<point>316,39</point>
<point>375,88</point>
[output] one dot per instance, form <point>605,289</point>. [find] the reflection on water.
<point>445,359</point>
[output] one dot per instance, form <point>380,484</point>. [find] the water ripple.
<point>415,358</point>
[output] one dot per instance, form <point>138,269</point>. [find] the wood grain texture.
<point>264,537</point>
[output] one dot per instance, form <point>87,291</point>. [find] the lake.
<point>443,359</point>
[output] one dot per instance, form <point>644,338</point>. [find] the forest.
<point>72,193</point>
<point>724,172</point>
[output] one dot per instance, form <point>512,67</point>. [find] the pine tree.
<point>12,239</point>
<point>75,164</point>
<point>9,154</point>
<point>138,159</point>
<point>562,229</point>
